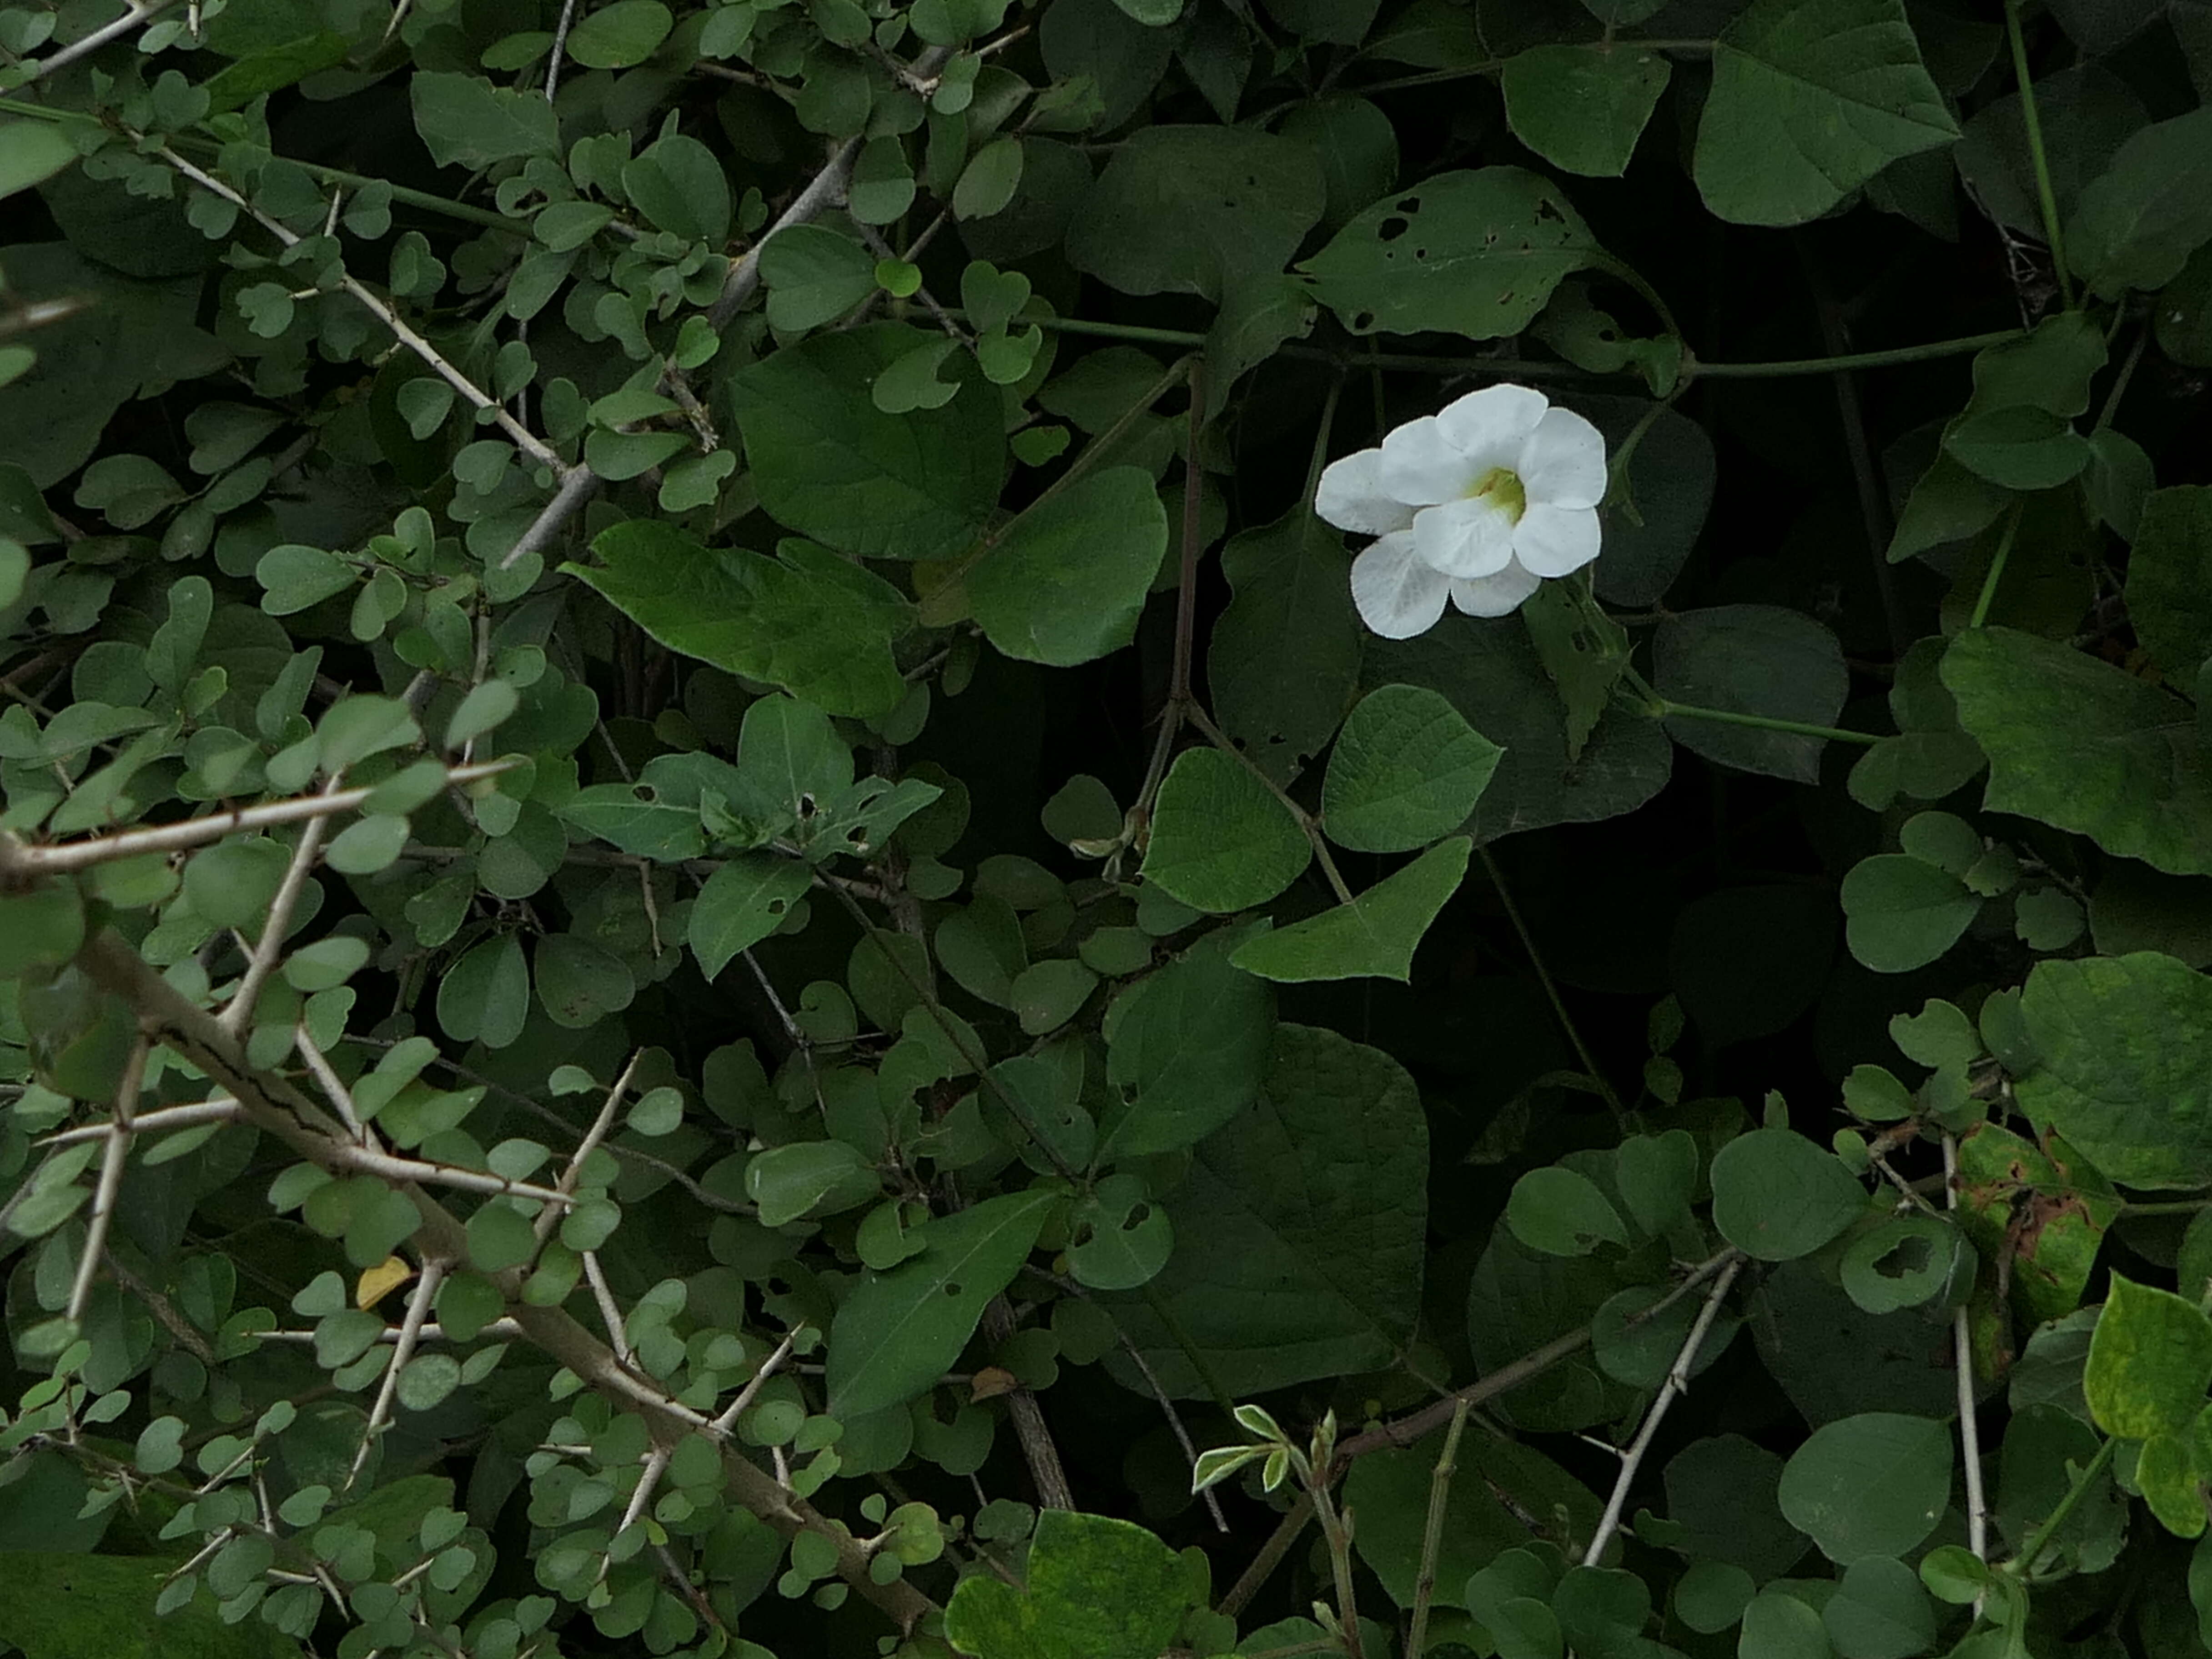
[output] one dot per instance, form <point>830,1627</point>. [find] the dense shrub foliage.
<point>1086,829</point>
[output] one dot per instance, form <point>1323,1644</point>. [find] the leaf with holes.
<point>897,1333</point>
<point>1472,253</point>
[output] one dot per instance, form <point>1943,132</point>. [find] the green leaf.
<point>1406,769</point>
<point>1094,1588</point>
<point>1186,1052</point>
<point>808,1177</point>
<point>580,984</point>
<point>2137,222</point>
<point>1472,253</point>
<point>1582,108</point>
<point>1240,201</point>
<point>1490,671</point>
<point>1720,1492</point>
<point>619,35</point>
<point>467,122</point>
<point>41,928</point>
<point>988,183</point>
<point>1561,1213</point>
<point>500,1238</point>
<point>897,1333</point>
<point>1751,659</point>
<point>1874,1484</point>
<point>1810,100</point>
<point>1220,839</point>
<point>2150,1361</point>
<point>231,883</point>
<point>296,577</point>
<point>832,465</point>
<point>1299,1232</point>
<point>676,183</point>
<point>2170,579</point>
<point>2175,1470</point>
<point>2076,743</point>
<point>813,276</point>
<point>31,152</point>
<point>1374,936</point>
<point>1066,580</point>
<point>485,996</point>
<point>1777,1625</point>
<point>741,904</point>
<point>816,625</point>
<point>2018,448</point>
<point>2125,1047</point>
<point>1282,661</point>
<point>1712,1595</point>
<point>1777,1196</point>
<point>1902,913</point>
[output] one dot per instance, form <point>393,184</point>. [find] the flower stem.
<point>2120,382</point>
<point>1339,1537</point>
<point>1552,991</point>
<point>2043,1535</point>
<point>2043,193</point>
<point>1996,569</point>
<point>1432,1537</point>
<point>1928,352</point>
<point>1667,707</point>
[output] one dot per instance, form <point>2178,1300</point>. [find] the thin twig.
<point>728,1419</point>
<point>1252,1579</point>
<point>1418,1425</point>
<point>560,48</point>
<point>609,1315</point>
<point>525,440</point>
<point>500,1330</point>
<point>824,190</point>
<point>575,1173</point>
<point>403,1350</point>
<point>276,1106</point>
<point>92,42</point>
<point>110,1176</point>
<point>21,861</point>
<point>578,483</point>
<point>1677,1380</point>
<point>1962,1360</point>
<point>1175,1422</point>
<point>1596,1073</point>
<point>332,1085</point>
<point>240,1012</point>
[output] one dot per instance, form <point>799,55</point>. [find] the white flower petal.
<point>1472,537</point>
<point>1491,427</point>
<point>1397,595</point>
<point>1496,596</point>
<point>1553,541</point>
<point>1421,466</point>
<point>1351,497</point>
<point>1563,462</point>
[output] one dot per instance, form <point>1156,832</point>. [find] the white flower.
<point>1477,504</point>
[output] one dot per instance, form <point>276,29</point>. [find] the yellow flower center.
<point>1503,488</point>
